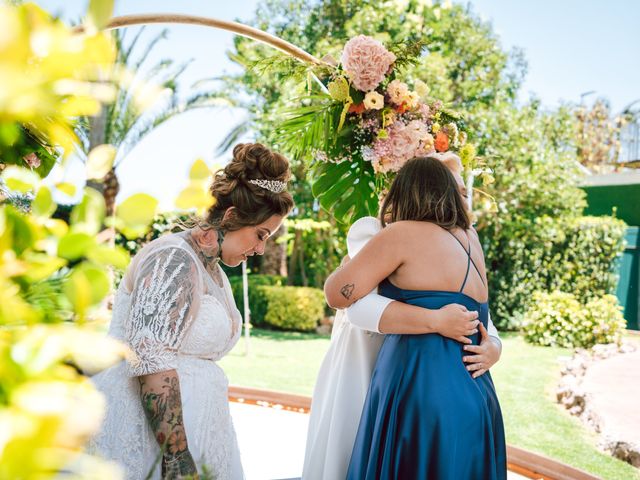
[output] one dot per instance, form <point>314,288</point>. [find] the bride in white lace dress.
<point>167,408</point>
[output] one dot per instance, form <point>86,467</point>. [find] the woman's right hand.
<point>456,322</point>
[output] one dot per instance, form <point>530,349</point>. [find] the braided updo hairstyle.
<point>253,204</point>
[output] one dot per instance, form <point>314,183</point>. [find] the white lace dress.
<point>173,315</point>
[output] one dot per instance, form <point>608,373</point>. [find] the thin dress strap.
<point>469,261</point>
<point>469,253</point>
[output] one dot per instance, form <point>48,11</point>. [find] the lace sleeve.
<point>164,301</point>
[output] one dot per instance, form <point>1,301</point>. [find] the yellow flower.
<point>373,101</point>
<point>467,154</point>
<point>339,89</point>
<point>388,117</point>
<point>435,128</point>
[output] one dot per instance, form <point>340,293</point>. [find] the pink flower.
<point>424,111</point>
<point>366,62</point>
<point>398,92</point>
<point>32,160</point>
<point>400,145</point>
<point>426,147</point>
<point>418,130</point>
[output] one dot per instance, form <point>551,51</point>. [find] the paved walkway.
<point>272,442</point>
<point>613,386</point>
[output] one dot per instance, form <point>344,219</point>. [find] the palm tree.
<point>124,123</point>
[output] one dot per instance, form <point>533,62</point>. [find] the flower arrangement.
<point>367,123</point>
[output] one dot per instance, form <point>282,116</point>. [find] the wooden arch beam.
<point>235,27</point>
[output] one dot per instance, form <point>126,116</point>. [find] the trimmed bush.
<point>290,308</point>
<point>558,318</point>
<point>568,254</point>
<point>257,301</point>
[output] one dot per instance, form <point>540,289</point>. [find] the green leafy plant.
<point>292,308</point>
<point>256,301</point>
<point>559,319</point>
<point>571,254</point>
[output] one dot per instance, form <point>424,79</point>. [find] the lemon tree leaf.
<point>74,245</point>
<point>66,188</point>
<point>20,179</point>
<point>99,13</point>
<point>88,215</point>
<point>43,205</point>
<point>199,171</point>
<point>116,256</point>
<point>134,215</point>
<point>100,161</point>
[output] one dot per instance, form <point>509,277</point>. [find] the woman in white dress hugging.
<point>167,407</point>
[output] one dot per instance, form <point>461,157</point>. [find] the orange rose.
<point>402,108</point>
<point>442,142</point>
<point>357,108</point>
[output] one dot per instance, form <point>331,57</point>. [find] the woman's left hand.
<point>486,355</point>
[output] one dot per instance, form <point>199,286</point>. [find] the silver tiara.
<point>275,186</point>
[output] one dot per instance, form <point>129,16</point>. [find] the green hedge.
<point>559,319</point>
<point>256,301</point>
<point>290,308</point>
<point>574,254</point>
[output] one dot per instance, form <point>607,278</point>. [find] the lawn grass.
<point>525,379</point>
<point>284,361</point>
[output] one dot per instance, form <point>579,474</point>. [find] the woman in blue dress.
<point>425,416</point>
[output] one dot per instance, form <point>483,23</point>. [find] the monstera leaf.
<point>346,189</point>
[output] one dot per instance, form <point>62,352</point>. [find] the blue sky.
<point>571,46</point>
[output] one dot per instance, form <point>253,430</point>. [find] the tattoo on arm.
<point>347,290</point>
<point>160,395</point>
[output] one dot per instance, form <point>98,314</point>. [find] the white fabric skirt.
<point>338,398</point>
<point>127,439</point>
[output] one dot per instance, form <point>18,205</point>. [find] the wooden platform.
<point>521,463</point>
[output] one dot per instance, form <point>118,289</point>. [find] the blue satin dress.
<point>425,416</point>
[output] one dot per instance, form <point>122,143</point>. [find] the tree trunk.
<point>111,188</point>
<point>274,260</point>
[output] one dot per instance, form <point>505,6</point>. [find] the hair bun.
<point>255,161</point>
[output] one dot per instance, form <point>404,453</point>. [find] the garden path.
<point>613,388</point>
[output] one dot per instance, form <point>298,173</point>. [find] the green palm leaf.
<point>346,189</point>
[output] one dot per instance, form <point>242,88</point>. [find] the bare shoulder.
<point>410,230</point>
<point>473,233</point>
<point>412,226</point>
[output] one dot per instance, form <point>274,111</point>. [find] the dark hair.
<point>425,190</point>
<point>253,204</point>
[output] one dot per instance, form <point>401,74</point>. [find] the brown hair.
<point>253,204</point>
<point>425,190</point>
